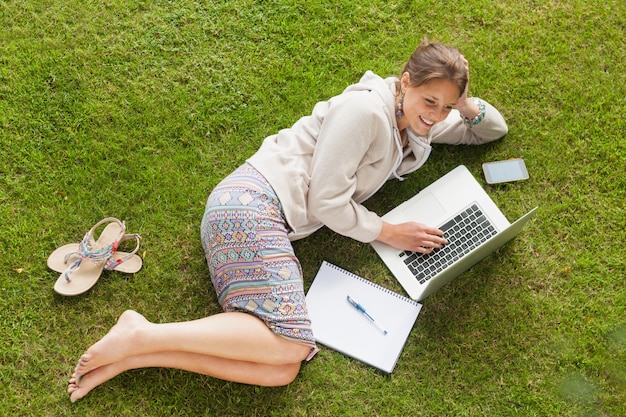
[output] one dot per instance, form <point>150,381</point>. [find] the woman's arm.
<point>352,140</point>
<point>474,122</point>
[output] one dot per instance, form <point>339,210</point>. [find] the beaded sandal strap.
<point>111,263</point>
<point>87,251</point>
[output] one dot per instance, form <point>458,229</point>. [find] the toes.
<point>82,363</point>
<point>75,392</point>
<point>84,359</point>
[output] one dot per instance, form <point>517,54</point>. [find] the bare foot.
<point>115,346</point>
<point>79,386</point>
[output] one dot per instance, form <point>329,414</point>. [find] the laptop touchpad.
<point>426,209</point>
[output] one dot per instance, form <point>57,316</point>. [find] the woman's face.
<point>427,104</point>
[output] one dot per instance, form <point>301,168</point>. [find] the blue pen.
<point>365,313</point>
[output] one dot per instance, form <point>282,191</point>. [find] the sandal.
<point>84,272</point>
<point>128,263</point>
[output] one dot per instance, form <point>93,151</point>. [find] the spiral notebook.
<point>341,326</point>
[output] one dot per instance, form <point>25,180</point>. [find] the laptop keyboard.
<point>464,232</point>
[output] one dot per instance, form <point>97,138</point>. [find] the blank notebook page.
<point>339,325</point>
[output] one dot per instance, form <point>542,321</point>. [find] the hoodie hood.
<point>418,149</point>
<point>385,88</point>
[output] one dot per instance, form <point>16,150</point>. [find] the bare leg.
<point>235,336</point>
<point>226,369</point>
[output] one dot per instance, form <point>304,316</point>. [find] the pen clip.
<point>355,304</point>
<point>360,308</point>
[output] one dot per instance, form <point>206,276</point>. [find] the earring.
<point>399,110</point>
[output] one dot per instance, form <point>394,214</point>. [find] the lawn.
<point>136,109</point>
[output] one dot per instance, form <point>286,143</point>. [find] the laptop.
<point>472,223</point>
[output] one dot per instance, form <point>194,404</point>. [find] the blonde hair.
<point>432,61</point>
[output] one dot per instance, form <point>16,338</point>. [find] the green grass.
<point>137,109</point>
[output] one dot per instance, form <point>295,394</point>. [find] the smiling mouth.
<point>426,121</point>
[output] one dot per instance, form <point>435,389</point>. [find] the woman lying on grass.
<point>316,173</point>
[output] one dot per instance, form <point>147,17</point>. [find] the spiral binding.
<point>373,284</point>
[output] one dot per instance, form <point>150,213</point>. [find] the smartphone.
<point>505,171</point>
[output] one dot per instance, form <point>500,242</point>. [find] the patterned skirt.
<point>251,260</point>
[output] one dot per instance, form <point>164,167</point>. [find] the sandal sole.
<point>56,261</point>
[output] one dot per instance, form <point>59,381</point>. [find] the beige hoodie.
<point>328,163</point>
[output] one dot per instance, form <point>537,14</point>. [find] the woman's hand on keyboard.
<point>415,237</point>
